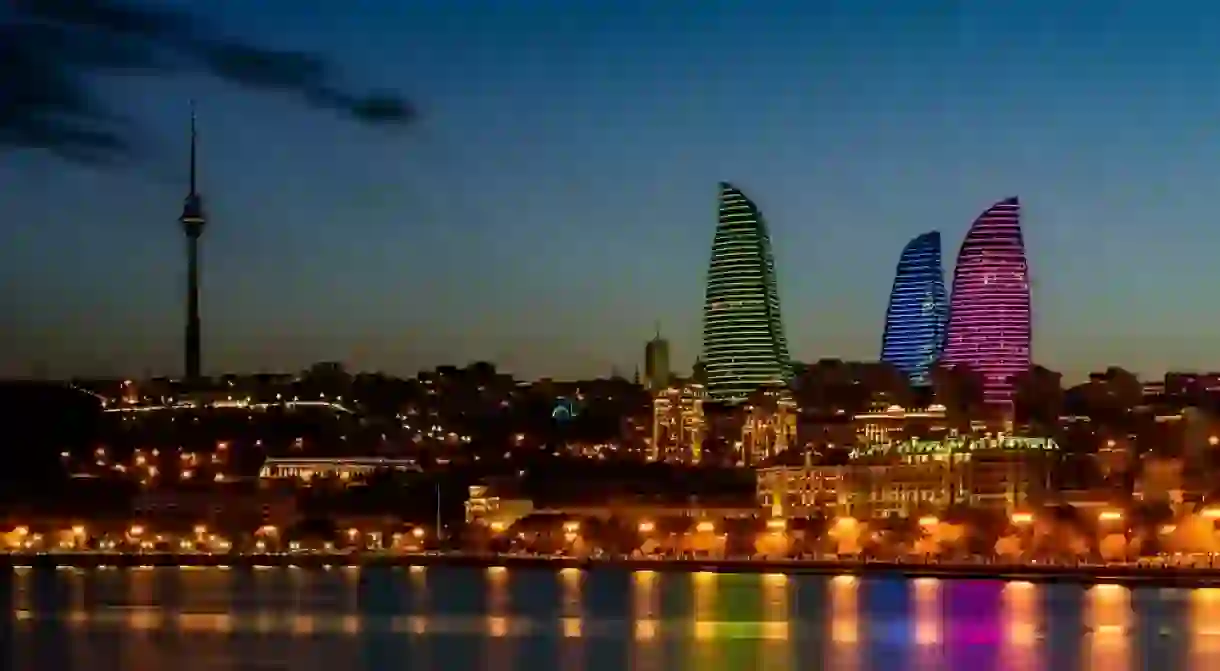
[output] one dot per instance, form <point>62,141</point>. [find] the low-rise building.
<point>495,507</point>
<point>347,468</point>
<point>913,478</point>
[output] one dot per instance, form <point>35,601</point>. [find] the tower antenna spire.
<point>194,148</point>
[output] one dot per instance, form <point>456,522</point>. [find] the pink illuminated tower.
<point>989,311</point>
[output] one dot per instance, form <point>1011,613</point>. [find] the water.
<point>501,620</point>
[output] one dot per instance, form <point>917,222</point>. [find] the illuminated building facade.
<point>744,347</point>
<point>990,321</point>
<point>893,423</point>
<point>343,469</point>
<point>679,426</point>
<point>915,477</point>
<point>487,506</point>
<point>769,425</point>
<point>918,310</point>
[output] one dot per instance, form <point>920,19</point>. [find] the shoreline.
<point>1134,576</point>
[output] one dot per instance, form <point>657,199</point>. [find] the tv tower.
<point>193,221</point>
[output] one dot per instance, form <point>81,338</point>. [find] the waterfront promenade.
<point>1128,574</point>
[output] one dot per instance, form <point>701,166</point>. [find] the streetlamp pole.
<point>439,533</point>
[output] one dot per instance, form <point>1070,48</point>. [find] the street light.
<point>705,527</point>
<point>1022,518</point>
<point>1109,516</point>
<point>647,527</point>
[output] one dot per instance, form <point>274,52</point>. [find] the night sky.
<point>557,196</point>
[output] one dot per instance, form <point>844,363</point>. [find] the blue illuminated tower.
<point>916,318</point>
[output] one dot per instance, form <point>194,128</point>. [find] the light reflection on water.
<point>502,620</point>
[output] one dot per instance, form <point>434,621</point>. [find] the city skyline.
<point>551,243</point>
<point>915,318</point>
<point>990,311</point>
<point>744,347</point>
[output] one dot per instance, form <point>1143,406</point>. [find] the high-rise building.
<point>919,307</point>
<point>990,322</point>
<point>656,362</point>
<point>193,222</point>
<point>743,334</point>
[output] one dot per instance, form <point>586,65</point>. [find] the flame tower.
<point>919,307</point>
<point>743,334</point>
<point>990,320</point>
<point>193,221</point>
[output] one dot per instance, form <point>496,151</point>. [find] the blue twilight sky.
<point>558,196</point>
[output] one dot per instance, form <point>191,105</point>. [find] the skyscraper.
<point>743,334</point>
<point>989,312</point>
<point>193,221</point>
<point>656,362</point>
<point>919,307</point>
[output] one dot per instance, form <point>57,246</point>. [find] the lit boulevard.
<point>705,545</point>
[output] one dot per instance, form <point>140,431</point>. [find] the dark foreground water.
<point>456,619</point>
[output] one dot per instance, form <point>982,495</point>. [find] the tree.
<point>1039,398</point>
<point>960,389</point>
<point>1111,395</point>
<point>52,53</point>
<point>884,381</point>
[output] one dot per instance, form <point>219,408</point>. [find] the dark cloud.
<point>52,51</point>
